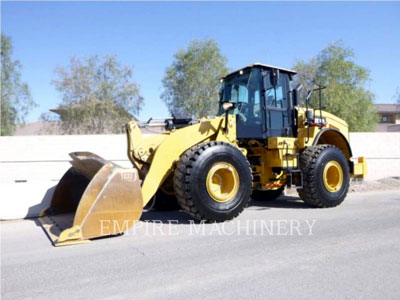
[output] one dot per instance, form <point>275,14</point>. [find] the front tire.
<point>213,181</point>
<point>326,176</point>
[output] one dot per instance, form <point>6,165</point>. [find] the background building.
<point>389,117</point>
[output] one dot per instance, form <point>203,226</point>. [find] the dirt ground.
<point>388,183</point>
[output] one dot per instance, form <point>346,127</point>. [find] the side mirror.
<point>296,95</point>
<point>228,106</point>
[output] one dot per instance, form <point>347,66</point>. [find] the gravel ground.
<point>384,184</point>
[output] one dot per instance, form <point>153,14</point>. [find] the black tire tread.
<point>181,183</point>
<point>308,161</point>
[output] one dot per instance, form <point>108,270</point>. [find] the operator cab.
<point>262,101</point>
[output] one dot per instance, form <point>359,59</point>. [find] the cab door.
<point>278,110</point>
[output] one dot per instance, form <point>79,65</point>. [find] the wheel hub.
<point>222,182</point>
<point>333,176</point>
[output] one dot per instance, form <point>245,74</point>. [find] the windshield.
<point>243,89</point>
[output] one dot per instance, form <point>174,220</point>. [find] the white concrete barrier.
<point>31,166</point>
<point>382,150</point>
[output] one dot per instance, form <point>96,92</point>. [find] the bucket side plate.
<point>111,204</point>
<point>54,225</point>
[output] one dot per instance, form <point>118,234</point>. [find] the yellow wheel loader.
<point>261,142</point>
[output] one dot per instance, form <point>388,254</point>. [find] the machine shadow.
<point>180,217</point>
<point>286,201</point>
<point>176,216</point>
<point>34,210</point>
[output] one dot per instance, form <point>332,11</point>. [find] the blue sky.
<point>146,35</point>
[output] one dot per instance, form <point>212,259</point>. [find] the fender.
<point>334,137</point>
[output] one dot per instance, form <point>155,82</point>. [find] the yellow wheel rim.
<point>333,176</point>
<point>222,182</point>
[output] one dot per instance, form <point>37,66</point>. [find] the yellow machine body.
<point>108,193</point>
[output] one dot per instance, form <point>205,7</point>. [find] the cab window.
<point>243,89</point>
<point>277,96</point>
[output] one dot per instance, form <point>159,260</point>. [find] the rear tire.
<point>258,195</point>
<point>325,176</point>
<point>213,181</point>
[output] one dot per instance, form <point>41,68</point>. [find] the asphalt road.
<point>272,251</point>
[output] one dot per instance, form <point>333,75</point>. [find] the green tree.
<point>346,94</point>
<point>98,96</point>
<point>191,83</point>
<point>16,100</point>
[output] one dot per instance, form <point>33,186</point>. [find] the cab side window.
<point>277,96</point>
<point>257,103</point>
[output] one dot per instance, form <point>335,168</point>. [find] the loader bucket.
<point>94,198</point>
